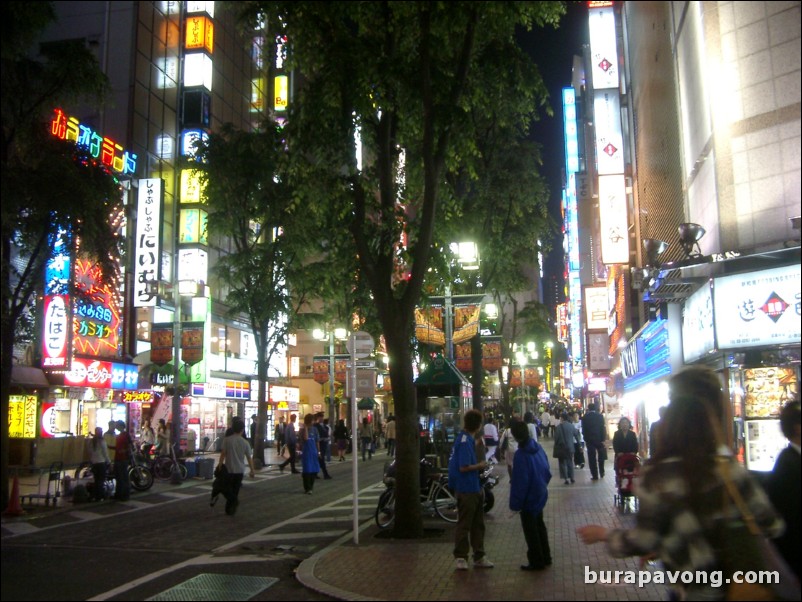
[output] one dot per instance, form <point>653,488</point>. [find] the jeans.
<point>470,531</point>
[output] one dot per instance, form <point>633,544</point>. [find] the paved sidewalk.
<point>380,568</point>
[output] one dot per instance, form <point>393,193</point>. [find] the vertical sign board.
<point>613,218</point>
<point>603,51</point>
<point>609,136</point>
<point>698,335</point>
<point>147,245</point>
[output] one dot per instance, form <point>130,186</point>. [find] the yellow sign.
<point>282,92</point>
<point>200,33</point>
<point>22,416</point>
<point>191,189</point>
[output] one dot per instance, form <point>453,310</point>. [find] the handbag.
<point>743,547</point>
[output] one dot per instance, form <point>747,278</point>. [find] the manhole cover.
<point>213,586</point>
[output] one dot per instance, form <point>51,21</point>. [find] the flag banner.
<point>161,343</point>
<point>429,326</point>
<point>466,322</point>
<point>491,353</point>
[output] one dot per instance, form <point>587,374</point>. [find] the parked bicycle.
<point>162,466</point>
<point>436,498</point>
<point>140,476</point>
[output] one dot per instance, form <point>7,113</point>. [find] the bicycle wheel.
<point>182,469</point>
<point>385,509</point>
<point>162,468</point>
<point>445,504</point>
<point>141,477</point>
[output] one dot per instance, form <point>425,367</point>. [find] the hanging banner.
<point>515,377</point>
<point>531,377</point>
<point>462,357</point>
<point>320,369</point>
<point>161,343</point>
<point>192,342</point>
<point>466,322</point>
<point>429,326</point>
<point>491,353</point>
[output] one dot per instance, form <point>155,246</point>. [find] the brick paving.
<point>386,569</point>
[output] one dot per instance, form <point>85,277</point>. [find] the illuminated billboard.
<point>613,219</point>
<point>147,245</point>
<point>603,51</point>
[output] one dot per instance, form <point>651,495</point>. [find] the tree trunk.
<point>261,407</point>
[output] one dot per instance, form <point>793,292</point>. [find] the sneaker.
<point>483,563</point>
<point>566,482</point>
<point>461,564</point>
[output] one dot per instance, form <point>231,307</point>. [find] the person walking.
<point>390,435</point>
<point>654,430</point>
<point>341,438</point>
<point>508,445</point>
<point>545,423</point>
<point>310,454</point>
<point>236,450</point>
<point>329,438</point>
<point>110,436</point>
<point>291,442</point>
<point>595,435</point>
<point>323,443</point>
<point>279,434</point>
<point>163,438</point>
<point>625,441</point>
<point>253,429</point>
<point>490,434</point>
<point>366,438</point>
<point>463,478</point>
<point>122,462</point>
<point>99,459</point>
<point>529,419</point>
<point>686,508</point>
<point>566,438</point>
<point>528,495</point>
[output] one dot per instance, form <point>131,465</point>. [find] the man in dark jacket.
<point>528,495</point>
<point>595,435</point>
<point>784,485</point>
<point>291,441</point>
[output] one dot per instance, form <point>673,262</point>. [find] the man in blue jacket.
<point>463,478</point>
<point>528,495</point>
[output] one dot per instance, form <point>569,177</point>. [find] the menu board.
<point>766,390</point>
<point>764,442</point>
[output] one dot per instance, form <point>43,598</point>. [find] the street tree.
<point>47,184</point>
<point>268,274</point>
<point>402,78</point>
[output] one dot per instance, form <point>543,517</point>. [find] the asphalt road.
<point>170,537</point>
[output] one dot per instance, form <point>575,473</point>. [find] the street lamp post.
<point>332,334</point>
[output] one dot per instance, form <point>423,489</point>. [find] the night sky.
<point>553,51</point>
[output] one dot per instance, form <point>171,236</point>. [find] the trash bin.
<point>192,470</point>
<point>205,468</point>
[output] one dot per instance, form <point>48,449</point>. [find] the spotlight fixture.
<point>689,236</point>
<point>654,248</point>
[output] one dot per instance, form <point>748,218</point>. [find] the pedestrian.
<point>566,438</point>
<point>625,441</point>
<point>508,445</point>
<point>163,438</point>
<point>579,450</point>
<point>329,438</point>
<point>463,478</point>
<point>654,430</point>
<point>310,453</point>
<point>529,419</point>
<point>595,435</point>
<point>685,508</point>
<point>253,429</point>
<point>390,435</point>
<point>99,459</point>
<point>279,434</point>
<point>366,438</point>
<point>490,434</point>
<point>323,443</point>
<point>147,437</point>
<point>236,450</point>
<point>545,422</point>
<point>341,437</point>
<point>110,437</point>
<point>122,462</point>
<point>528,496</point>
<point>783,485</point>
<point>291,443</point>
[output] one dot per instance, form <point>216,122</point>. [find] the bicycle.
<point>140,477</point>
<point>436,498</point>
<point>163,466</point>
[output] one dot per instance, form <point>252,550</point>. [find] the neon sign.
<point>96,321</point>
<point>106,150</point>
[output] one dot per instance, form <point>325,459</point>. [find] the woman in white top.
<point>509,445</point>
<point>491,440</point>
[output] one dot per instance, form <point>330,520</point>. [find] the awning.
<point>366,403</point>
<point>28,376</point>
<point>442,372</point>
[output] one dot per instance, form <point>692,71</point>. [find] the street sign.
<point>360,344</point>
<point>363,364</point>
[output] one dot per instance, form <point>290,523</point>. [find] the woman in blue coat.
<point>310,450</point>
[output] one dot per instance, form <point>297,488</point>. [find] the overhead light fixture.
<point>654,248</point>
<point>689,236</point>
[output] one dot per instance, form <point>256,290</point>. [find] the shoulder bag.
<point>744,547</point>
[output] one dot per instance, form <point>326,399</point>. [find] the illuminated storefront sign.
<point>201,7</point>
<point>613,219</point>
<point>22,416</point>
<point>48,428</point>
<point>596,307</point>
<point>609,136</point>
<point>222,389</point>
<point>56,332</point>
<point>758,308</point>
<point>188,140</point>
<point>571,130</point>
<point>101,374</point>
<point>193,226</point>
<point>193,264</point>
<point>199,34</point>
<point>282,93</point>
<point>698,334</point>
<point>106,150</point>
<point>603,52</point>
<point>198,70</point>
<point>191,190</point>
<point>279,394</point>
<point>97,324</point>
<point>147,245</point>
